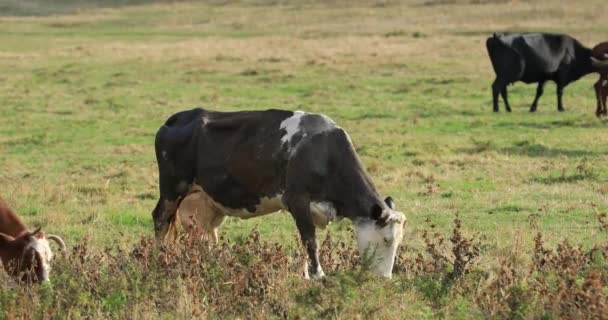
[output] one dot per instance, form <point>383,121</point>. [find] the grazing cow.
<point>25,255</point>
<point>536,58</point>
<point>251,163</point>
<point>599,58</point>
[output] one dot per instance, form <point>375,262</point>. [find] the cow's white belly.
<point>322,212</point>
<point>267,205</point>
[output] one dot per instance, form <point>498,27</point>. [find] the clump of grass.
<point>584,170</point>
<point>566,282</point>
<point>190,278</point>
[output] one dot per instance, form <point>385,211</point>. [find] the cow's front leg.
<point>300,210</point>
<point>598,94</point>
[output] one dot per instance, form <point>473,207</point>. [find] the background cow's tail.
<point>494,46</point>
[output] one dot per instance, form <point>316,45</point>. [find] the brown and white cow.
<point>25,255</point>
<point>252,163</point>
<point>599,59</point>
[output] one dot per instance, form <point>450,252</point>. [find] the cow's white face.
<point>378,242</point>
<point>43,251</point>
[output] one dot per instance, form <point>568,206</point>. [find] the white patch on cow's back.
<point>42,247</point>
<point>322,213</point>
<point>291,126</point>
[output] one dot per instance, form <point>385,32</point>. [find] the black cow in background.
<point>536,58</point>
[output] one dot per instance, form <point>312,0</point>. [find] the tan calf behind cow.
<point>199,217</point>
<point>25,255</point>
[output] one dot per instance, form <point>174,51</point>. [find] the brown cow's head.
<point>27,258</point>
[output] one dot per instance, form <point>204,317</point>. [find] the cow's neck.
<point>10,224</point>
<point>359,200</point>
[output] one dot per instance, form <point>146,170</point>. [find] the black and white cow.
<point>536,58</point>
<point>252,163</point>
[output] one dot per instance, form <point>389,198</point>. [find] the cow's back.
<point>542,53</point>
<point>241,158</point>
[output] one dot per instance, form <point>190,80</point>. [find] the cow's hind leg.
<point>496,88</point>
<point>539,92</point>
<point>504,95</point>
<point>300,210</point>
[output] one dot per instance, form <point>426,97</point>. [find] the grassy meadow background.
<point>84,85</point>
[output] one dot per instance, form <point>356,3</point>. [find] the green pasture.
<point>83,89</point>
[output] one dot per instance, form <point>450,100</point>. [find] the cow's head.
<point>379,237</point>
<point>165,219</point>
<point>27,257</point>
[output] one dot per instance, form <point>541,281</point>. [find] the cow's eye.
<point>387,241</point>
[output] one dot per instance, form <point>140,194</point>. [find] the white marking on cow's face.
<point>322,213</point>
<point>164,154</point>
<point>291,126</point>
<point>379,245</point>
<point>42,247</point>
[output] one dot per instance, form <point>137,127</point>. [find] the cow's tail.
<point>496,47</point>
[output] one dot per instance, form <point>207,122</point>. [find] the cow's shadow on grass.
<point>569,123</point>
<point>50,8</point>
<point>525,148</point>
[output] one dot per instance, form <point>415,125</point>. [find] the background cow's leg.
<point>539,92</point>
<point>300,210</point>
<point>604,92</point>
<point>560,92</point>
<point>495,90</point>
<point>503,93</point>
<point>598,96</point>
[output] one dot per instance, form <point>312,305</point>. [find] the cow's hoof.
<point>318,275</point>
<point>532,109</point>
<point>561,110</point>
<point>495,110</point>
<point>508,110</point>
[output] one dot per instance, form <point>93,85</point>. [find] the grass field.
<point>83,91</point>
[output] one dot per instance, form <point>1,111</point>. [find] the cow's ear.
<point>390,202</point>
<point>376,212</point>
